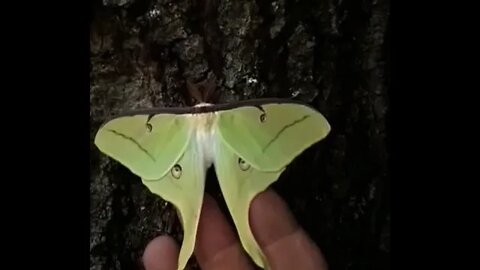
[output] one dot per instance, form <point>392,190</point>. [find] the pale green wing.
<point>269,136</point>
<point>148,145</point>
<point>240,183</point>
<point>256,142</point>
<point>183,186</point>
<point>159,149</point>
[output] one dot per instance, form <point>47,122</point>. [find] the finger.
<point>284,242</point>
<point>161,254</point>
<point>217,246</point>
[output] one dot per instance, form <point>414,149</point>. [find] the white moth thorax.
<point>203,104</point>
<point>204,128</point>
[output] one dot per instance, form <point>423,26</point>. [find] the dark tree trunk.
<point>330,53</point>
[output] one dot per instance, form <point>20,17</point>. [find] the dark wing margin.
<point>208,109</point>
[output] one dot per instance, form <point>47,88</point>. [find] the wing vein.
<point>134,141</point>
<point>283,129</point>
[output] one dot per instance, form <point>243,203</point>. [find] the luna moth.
<point>249,143</point>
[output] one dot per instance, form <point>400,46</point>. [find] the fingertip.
<point>217,245</point>
<point>214,232</point>
<point>285,244</point>
<point>161,254</point>
<point>270,218</point>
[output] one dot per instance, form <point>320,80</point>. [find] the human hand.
<point>284,243</point>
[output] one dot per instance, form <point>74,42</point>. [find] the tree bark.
<point>332,54</point>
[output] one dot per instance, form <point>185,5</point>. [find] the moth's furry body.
<point>203,126</point>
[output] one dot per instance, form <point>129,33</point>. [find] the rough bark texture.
<point>330,53</point>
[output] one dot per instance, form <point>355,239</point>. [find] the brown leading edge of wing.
<point>207,109</point>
